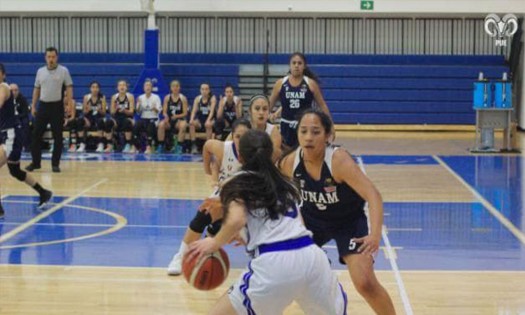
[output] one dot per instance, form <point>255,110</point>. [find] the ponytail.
<point>261,186</point>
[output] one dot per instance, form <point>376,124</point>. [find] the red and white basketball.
<point>207,273</point>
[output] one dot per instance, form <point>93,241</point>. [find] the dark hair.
<point>326,122</point>
<point>307,71</point>
<point>2,68</point>
<point>257,97</point>
<point>241,122</point>
<point>209,86</point>
<point>123,80</point>
<point>51,49</point>
<point>99,91</point>
<point>229,85</point>
<point>261,186</point>
<point>148,81</point>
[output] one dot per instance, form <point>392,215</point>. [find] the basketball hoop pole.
<point>148,6</point>
<point>151,69</point>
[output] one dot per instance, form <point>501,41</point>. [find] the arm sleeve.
<point>37,79</point>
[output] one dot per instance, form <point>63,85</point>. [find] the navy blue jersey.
<point>8,114</point>
<point>121,104</point>
<point>174,106</point>
<point>229,112</point>
<point>96,107</point>
<point>326,203</point>
<point>204,109</point>
<point>295,99</point>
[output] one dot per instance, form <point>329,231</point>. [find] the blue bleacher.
<point>366,89</point>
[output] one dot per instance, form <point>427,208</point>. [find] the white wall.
<point>251,7</point>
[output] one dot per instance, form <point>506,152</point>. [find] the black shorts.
<point>95,122</point>
<point>342,235</point>
<point>120,123</point>
<point>173,123</point>
<point>13,142</point>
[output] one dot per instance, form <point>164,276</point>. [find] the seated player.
<point>202,115</point>
<point>230,108</point>
<point>94,109</point>
<point>122,110</point>
<point>175,111</point>
<point>149,107</point>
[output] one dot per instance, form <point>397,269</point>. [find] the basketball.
<point>207,273</point>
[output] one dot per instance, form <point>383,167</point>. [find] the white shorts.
<point>274,280</point>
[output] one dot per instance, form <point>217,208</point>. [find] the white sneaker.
<point>175,266</point>
<point>133,150</point>
<point>100,148</point>
<point>81,148</point>
<point>148,150</point>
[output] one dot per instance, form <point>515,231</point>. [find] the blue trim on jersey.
<point>244,288</point>
<point>345,298</point>
<point>292,244</point>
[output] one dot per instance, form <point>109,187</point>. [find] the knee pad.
<point>16,172</point>
<point>127,125</point>
<point>214,228</point>
<point>108,126</point>
<point>200,222</point>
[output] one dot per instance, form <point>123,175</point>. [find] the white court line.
<point>391,258</point>
<point>46,213</point>
<point>490,208</point>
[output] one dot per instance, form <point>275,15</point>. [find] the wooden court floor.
<point>28,286</point>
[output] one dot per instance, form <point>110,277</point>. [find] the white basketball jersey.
<point>262,230</point>
<point>230,163</point>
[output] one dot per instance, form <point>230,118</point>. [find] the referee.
<point>48,91</point>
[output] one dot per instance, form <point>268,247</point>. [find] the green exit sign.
<point>367,5</point>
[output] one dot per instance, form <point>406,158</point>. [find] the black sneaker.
<point>44,198</point>
<point>56,169</point>
<point>1,212</point>
<point>31,167</point>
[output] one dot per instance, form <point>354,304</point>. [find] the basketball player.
<point>175,111</point>
<point>285,265</point>
<point>11,142</point>
<point>224,154</point>
<point>70,122</point>
<point>334,192</point>
<point>202,115</point>
<point>94,108</point>
<point>149,107</point>
<point>122,111</point>
<point>230,108</point>
<point>297,91</point>
<point>259,111</point>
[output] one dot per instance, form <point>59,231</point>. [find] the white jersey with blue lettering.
<point>286,267</point>
<point>262,230</point>
<point>230,162</point>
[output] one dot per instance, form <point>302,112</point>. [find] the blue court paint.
<point>454,235</point>
<point>399,159</point>
<point>368,159</point>
<point>121,157</point>
<point>499,179</point>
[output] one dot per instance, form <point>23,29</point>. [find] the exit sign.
<point>367,5</point>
